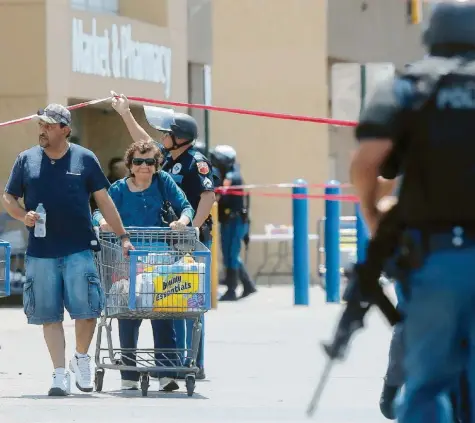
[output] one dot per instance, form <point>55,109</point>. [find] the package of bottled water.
<point>40,225</point>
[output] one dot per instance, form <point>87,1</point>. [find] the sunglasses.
<point>140,162</point>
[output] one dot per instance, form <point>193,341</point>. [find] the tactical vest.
<point>439,144</point>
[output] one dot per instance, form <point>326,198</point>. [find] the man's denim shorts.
<point>70,282</point>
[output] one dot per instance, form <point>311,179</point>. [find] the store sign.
<point>115,54</point>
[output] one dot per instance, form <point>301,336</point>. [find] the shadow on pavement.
<point>155,394</point>
<point>15,301</point>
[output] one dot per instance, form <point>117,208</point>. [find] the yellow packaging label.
<point>147,269</point>
<point>174,292</point>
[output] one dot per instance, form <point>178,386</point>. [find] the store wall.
<point>278,67</point>
<point>38,44</point>
<point>164,77</point>
<point>22,85</point>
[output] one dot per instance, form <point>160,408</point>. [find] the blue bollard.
<point>332,243</point>
<point>362,235</point>
<point>300,247</point>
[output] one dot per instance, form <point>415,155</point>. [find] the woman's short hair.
<point>143,147</point>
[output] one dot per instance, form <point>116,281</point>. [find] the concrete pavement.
<point>263,359</point>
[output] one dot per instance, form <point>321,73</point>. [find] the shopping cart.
<point>166,277</point>
<point>5,251</point>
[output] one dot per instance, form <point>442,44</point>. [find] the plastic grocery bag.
<point>118,298</point>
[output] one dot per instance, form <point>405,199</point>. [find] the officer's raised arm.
<point>120,103</point>
<point>376,134</point>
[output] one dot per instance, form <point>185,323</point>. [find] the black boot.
<point>249,287</point>
<point>386,402</point>
<point>231,282</point>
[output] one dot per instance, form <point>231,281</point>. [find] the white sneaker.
<point>168,384</point>
<point>129,385</point>
<point>61,385</point>
<point>81,367</point>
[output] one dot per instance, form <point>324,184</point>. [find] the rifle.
<point>363,291</point>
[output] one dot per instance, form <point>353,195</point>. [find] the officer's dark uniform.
<point>234,222</point>
<point>192,172</point>
<point>429,114</point>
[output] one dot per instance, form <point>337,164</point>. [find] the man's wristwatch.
<point>124,236</point>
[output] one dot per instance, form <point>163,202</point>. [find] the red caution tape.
<point>73,107</point>
<point>334,197</point>
<point>284,185</point>
<point>282,116</point>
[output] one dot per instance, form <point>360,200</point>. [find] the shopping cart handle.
<point>138,253</point>
<point>159,228</point>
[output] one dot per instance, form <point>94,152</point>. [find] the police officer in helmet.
<point>192,172</point>
<point>233,215</point>
<point>429,113</point>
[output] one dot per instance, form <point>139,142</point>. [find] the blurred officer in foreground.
<point>192,172</point>
<point>233,217</point>
<point>394,377</point>
<point>429,113</point>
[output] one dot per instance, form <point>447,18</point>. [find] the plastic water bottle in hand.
<point>40,225</point>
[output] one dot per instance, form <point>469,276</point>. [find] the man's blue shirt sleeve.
<point>177,197</point>
<point>15,183</point>
<point>96,179</point>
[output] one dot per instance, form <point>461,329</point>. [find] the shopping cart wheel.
<point>190,384</point>
<point>144,384</point>
<point>99,379</point>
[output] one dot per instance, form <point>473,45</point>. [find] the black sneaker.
<point>168,384</point>
<point>248,292</point>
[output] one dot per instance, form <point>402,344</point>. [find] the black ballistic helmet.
<point>451,22</point>
<point>223,157</point>
<point>178,125</point>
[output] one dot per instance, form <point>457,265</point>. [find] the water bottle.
<point>40,225</point>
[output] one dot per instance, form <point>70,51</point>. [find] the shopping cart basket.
<point>166,277</point>
<point>5,251</point>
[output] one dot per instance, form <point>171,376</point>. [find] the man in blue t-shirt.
<point>60,268</point>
